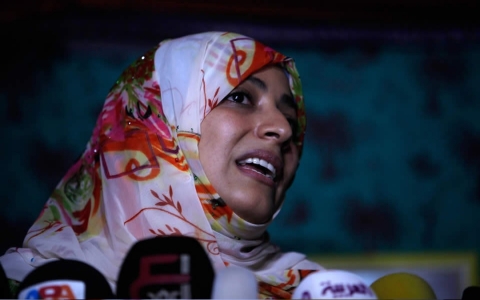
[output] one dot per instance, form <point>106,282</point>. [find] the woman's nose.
<point>274,125</point>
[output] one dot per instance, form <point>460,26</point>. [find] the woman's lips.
<point>252,172</point>
<point>269,156</point>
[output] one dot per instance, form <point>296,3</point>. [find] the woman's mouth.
<point>260,166</point>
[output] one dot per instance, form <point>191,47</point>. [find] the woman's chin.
<point>257,219</point>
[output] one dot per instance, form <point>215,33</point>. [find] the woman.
<point>200,137</point>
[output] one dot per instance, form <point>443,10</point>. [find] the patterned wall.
<point>393,150</point>
<point>392,158</point>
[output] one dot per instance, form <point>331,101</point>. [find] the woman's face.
<point>247,148</point>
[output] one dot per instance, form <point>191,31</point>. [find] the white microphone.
<point>333,284</point>
<point>235,283</point>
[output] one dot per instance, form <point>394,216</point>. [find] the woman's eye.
<point>239,97</point>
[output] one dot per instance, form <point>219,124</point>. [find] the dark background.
<point>392,158</point>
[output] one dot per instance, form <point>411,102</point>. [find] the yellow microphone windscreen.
<point>402,286</point>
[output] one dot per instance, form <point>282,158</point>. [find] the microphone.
<point>4,286</point>
<point>65,279</point>
<point>402,286</point>
<point>171,267</point>
<point>333,284</point>
<point>471,292</point>
<point>235,283</point>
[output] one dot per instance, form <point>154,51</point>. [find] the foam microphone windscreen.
<point>235,283</point>
<point>333,284</point>
<point>65,279</point>
<point>402,286</point>
<point>4,287</point>
<point>173,267</point>
<point>471,292</point>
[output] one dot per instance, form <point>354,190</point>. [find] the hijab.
<point>140,175</point>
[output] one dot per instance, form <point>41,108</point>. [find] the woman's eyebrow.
<point>258,83</point>
<point>286,99</point>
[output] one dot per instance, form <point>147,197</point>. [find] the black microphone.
<point>65,279</point>
<point>4,286</point>
<point>173,267</point>
<point>471,292</point>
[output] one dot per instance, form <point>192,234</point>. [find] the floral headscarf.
<point>140,175</point>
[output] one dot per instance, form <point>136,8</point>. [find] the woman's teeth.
<point>260,162</point>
